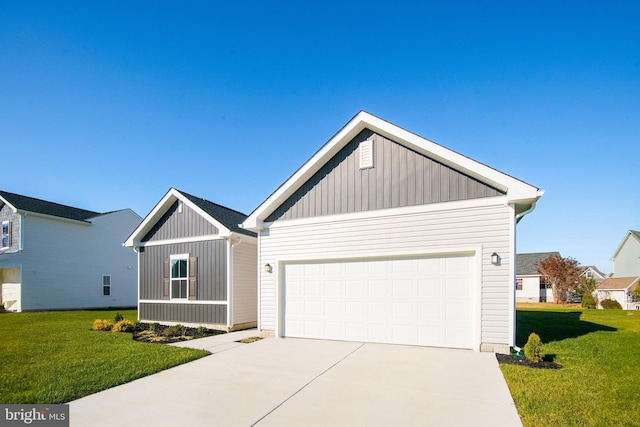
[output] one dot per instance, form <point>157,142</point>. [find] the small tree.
<point>563,273</point>
<point>587,285</point>
<point>533,348</point>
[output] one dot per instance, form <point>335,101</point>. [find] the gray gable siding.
<point>175,225</point>
<point>212,268</point>
<point>400,177</point>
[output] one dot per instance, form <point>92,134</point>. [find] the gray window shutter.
<point>193,276</point>
<point>166,279</point>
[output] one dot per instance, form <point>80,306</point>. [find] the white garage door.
<point>418,301</point>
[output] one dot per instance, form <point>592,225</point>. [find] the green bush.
<point>588,301</point>
<point>201,331</point>
<point>533,348</point>
<point>118,317</point>
<point>2,309</point>
<point>123,325</point>
<point>175,331</point>
<point>102,325</point>
<point>611,304</point>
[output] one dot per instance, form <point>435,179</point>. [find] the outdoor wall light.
<point>268,268</point>
<point>495,259</point>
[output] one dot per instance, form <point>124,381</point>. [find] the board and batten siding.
<point>245,283</point>
<point>177,225</point>
<point>394,232</point>
<point>399,177</point>
<point>212,268</point>
<point>199,314</point>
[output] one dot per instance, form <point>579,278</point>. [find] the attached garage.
<point>384,236</point>
<point>426,301</point>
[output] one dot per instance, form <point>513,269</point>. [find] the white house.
<point>619,289</point>
<point>531,285</point>
<point>384,236</point>
<point>60,257</point>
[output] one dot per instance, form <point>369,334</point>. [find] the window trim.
<point>6,223</point>
<point>107,286</point>
<point>172,279</point>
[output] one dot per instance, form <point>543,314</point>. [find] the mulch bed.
<point>153,332</point>
<point>523,361</point>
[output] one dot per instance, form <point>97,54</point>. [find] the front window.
<point>589,274</point>
<point>6,234</point>
<point>519,284</point>
<point>179,276</point>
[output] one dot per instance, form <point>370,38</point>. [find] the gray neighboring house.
<point>626,259</point>
<point>54,256</point>
<point>384,236</point>
<point>530,285</point>
<point>196,265</point>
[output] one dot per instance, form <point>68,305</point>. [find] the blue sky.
<point>106,105</point>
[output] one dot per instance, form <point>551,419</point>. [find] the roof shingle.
<point>526,264</point>
<point>30,204</point>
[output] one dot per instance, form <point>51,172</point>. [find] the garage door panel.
<point>418,301</point>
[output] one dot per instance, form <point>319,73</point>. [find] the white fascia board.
<point>160,209</point>
<point>13,208</point>
<point>518,192</point>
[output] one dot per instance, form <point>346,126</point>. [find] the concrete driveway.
<point>293,382</point>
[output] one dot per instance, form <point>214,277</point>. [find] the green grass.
<point>55,357</point>
<point>599,384</point>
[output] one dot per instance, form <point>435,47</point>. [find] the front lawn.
<point>55,357</point>
<point>600,352</point>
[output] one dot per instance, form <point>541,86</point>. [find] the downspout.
<point>230,248</point>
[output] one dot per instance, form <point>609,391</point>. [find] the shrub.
<point>533,348</point>
<point>118,318</point>
<point>2,309</point>
<point>175,331</point>
<point>102,325</point>
<point>588,301</point>
<point>153,326</point>
<point>201,331</point>
<point>123,326</point>
<point>611,304</point>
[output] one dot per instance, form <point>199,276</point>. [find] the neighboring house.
<point>531,286</point>
<point>384,236</point>
<point>196,265</point>
<point>591,272</point>
<point>619,289</point>
<point>626,259</point>
<point>60,257</point>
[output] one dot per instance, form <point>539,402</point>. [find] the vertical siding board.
<point>175,225</point>
<point>419,178</point>
<point>400,177</point>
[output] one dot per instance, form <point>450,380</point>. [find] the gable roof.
<point>618,283</point>
<point>519,193</point>
<point>584,268</point>
<point>630,234</point>
<point>526,264</point>
<point>33,205</point>
<point>226,220</point>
